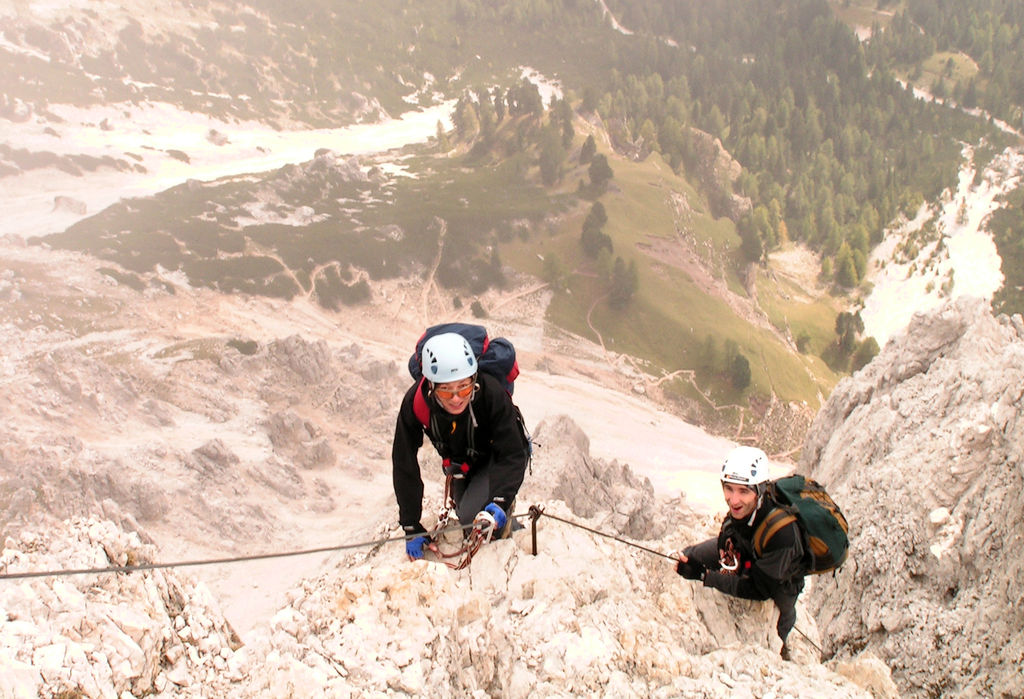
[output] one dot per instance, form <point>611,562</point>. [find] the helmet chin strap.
<point>760,489</point>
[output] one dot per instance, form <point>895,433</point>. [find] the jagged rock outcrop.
<point>192,435</point>
<point>582,617</point>
<point>299,440</point>
<point>585,615</point>
<point>718,170</point>
<point>310,361</point>
<point>591,487</point>
<point>923,450</point>
<point>103,635</point>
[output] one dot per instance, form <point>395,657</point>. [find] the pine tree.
<point>600,172</point>
<point>552,153</point>
<point>846,270</point>
<point>623,283</point>
<point>739,372</point>
<point>443,144</point>
<point>587,150</point>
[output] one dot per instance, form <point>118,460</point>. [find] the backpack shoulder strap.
<point>429,420</point>
<point>776,520</point>
<point>419,405</point>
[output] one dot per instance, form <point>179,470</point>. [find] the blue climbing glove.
<point>414,547</point>
<point>498,514</point>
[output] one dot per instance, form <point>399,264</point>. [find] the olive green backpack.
<point>822,523</point>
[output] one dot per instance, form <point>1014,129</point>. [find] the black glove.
<point>691,569</point>
<point>713,579</point>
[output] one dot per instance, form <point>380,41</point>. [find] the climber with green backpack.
<point>461,400</point>
<point>776,533</point>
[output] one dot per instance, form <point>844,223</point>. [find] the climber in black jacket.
<point>473,426</point>
<point>728,562</point>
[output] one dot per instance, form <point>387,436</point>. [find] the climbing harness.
<point>453,470</point>
<point>729,558</point>
<point>480,531</point>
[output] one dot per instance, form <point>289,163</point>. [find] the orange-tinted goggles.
<point>447,395</point>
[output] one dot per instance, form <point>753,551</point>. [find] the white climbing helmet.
<point>447,357</point>
<point>746,466</point>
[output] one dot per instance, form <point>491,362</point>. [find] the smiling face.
<point>741,499</point>
<point>454,396</point>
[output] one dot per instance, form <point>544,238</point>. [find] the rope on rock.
<point>477,538</point>
<point>536,512</point>
<point>208,561</point>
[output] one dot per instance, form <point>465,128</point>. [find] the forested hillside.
<point>969,51</point>
<point>971,54</point>
<point>832,147</point>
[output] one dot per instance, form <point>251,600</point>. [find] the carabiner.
<point>726,565</point>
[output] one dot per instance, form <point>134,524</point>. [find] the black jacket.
<point>497,439</point>
<point>779,569</point>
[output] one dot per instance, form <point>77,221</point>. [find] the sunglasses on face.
<point>447,394</point>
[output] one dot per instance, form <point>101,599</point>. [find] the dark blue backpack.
<point>496,357</point>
